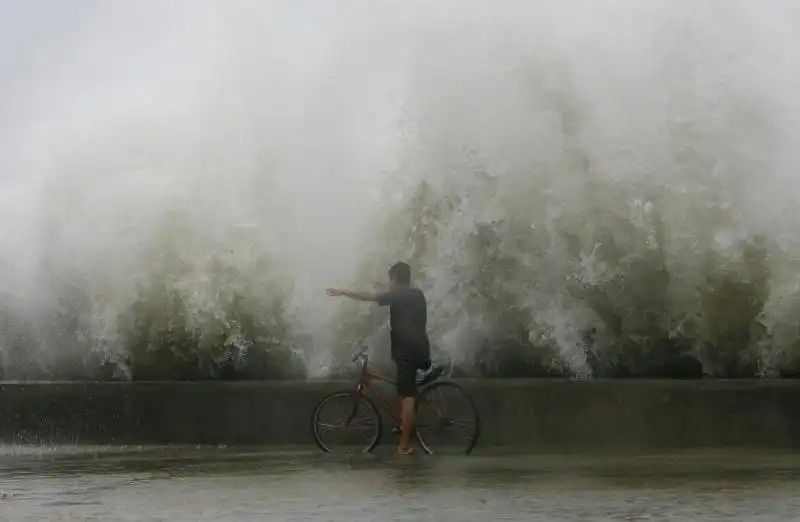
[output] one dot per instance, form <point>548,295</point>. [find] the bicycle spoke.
<point>442,402</point>
<point>346,425</point>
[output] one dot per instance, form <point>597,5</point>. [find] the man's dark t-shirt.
<point>408,313</point>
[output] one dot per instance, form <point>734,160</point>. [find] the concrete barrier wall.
<point>530,414</point>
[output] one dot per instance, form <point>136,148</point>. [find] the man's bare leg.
<point>406,425</point>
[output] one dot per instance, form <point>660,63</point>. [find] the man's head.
<point>400,275</point>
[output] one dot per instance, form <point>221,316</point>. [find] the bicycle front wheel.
<point>346,422</point>
<point>446,419</point>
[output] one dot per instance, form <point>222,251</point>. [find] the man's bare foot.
<point>404,451</point>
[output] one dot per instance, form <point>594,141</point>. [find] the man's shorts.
<point>407,375</point>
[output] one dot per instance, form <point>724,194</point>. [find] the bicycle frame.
<point>365,380</point>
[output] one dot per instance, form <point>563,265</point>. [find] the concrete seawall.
<point>529,414</point>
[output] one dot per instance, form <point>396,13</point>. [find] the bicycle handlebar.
<point>362,354</point>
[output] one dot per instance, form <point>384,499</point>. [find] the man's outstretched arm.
<point>357,296</point>
<point>382,298</point>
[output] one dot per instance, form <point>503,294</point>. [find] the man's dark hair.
<point>400,272</point>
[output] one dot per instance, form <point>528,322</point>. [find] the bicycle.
<point>355,400</point>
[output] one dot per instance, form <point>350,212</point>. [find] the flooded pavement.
<point>168,484</point>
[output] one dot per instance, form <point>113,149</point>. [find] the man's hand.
<point>335,292</point>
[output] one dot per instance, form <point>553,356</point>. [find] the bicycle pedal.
<point>396,430</point>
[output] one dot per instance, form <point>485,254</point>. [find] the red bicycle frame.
<point>365,380</point>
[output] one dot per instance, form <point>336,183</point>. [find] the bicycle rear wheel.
<point>446,419</point>
<point>346,422</point>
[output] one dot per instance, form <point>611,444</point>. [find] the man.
<point>411,351</point>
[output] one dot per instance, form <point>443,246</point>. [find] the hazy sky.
<point>30,30</point>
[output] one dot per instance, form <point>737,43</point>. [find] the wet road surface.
<point>214,484</point>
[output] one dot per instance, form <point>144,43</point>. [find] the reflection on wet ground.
<point>219,484</point>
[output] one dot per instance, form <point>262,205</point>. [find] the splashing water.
<point>591,188</point>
